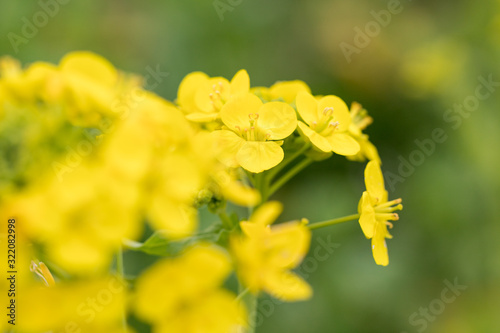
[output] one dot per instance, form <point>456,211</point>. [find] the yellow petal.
<point>240,83</point>
<point>235,113</point>
<point>239,194</point>
<point>254,230</point>
<point>379,245</point>
<point>202,117</point>
<point>227,145</point>
<point>187,90</point>
<point>79,254</point>
<point>343,144</point>
<point>257,156</point>
<point>288,90</point>
<point>367,219</point>
<point>307,106</point>
<point>205,261</point>
<point>286,286</point>
<point>178,220</point>
<point>290,243</point>
<point>278,119</point>
<point>374,182</point>
<point>214,313</point>
<point>211,93</point>
<point>91,66</point>
<point>340,111</point>
<point>152,302</point>
<point>267,213</point>
<point>316,139</point>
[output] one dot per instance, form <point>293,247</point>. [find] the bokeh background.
<point>422,62</point>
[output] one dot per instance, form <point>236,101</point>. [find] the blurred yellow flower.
<point>253,129</point>
<point>326,123</point>
<point>90,305</point>
<point>81,221</point>
<point>375,212</point>
<point>90,86</point>
<point>265,255</point>
<point>184,294</point>
<point>27,85</point>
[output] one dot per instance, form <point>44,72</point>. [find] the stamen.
<point>43,272</point>
<point>390,203</point>
<point>387,216</point>
<point>328,111</point>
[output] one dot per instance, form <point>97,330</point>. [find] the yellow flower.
<point>80,221</point>
<point>184,294</point>
<point>265,255</point>
<point>283,90</point>
<point>253,129</point>
<point>375,212</point>
<point>90,86</point>
<point>90,305</point>
<point>360,120</point>
<point>326,124</point>
<point>202,97</point>
<point>27,85</point>
<point>157,151</point>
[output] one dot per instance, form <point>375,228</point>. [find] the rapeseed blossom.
<point>266,255</point>
<point>92,165</point>
<point>202,97</point>
<point>253,132</point>
<point>185,295</point>
<point>325,123</point>
<point>376,212</point>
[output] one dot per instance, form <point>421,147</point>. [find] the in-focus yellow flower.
<point>253,129</point>
<point>375,212</point>
<point>202,97</point>
<point>326,124</point>
<point>360,120</point>
<point>184,294</point>
<point>265,256</point>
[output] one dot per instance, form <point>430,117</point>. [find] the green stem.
<point>226,221</point>
<point>287,176</point>
<point>250,177</point>
<point>323,224</point>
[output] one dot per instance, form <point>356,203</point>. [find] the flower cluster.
<point>93,165</point>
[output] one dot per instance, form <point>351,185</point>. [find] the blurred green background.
<point>412,70</point>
